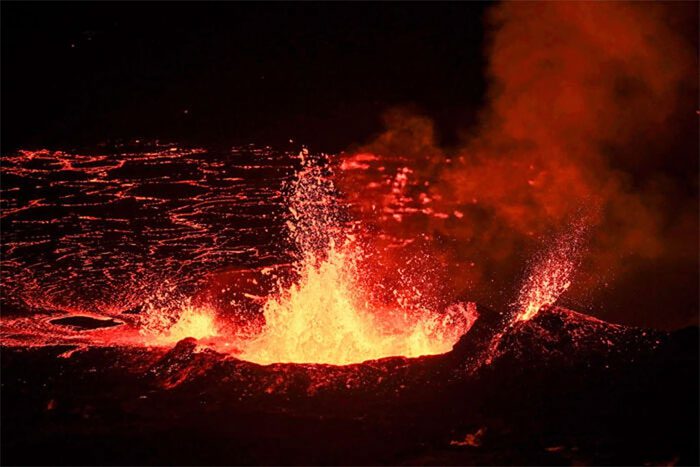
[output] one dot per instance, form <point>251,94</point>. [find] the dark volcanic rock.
<point>85,322</point>
<point>562,388</point>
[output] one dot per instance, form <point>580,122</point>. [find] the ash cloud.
<point>591,111</point>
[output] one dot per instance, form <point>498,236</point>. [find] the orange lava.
<point>169,320</point>
<point>199,323</point>
<point>550,275</point>
<point>544,287</point>
<point>327,316</point>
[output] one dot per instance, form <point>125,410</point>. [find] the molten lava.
<point>336,305</point>
<point>550,275</point>
<point>196,322</point>
<point>543,288</point>
<point>330,309</point>
<point>327,316</point>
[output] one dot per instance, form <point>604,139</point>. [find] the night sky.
<point>322,74</point>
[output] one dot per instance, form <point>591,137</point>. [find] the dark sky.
<point>81,73</point>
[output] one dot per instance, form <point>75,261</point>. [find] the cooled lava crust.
<point>562,388</point>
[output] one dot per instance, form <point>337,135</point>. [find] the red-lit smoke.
<point>585,99</point>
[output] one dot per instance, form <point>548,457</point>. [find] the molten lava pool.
<point>136,241</point>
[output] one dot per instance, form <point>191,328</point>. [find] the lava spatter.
<point>550,273</point>
<point>327,315</point>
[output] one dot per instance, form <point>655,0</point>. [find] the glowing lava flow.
<point>327,317</point>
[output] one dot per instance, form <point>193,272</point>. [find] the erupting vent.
<point>550,274</point>
<point>328,307</point>
<point>328,316</point>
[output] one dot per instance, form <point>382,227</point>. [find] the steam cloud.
<point>589,110</point>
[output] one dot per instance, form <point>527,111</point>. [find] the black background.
<point>77,74</point>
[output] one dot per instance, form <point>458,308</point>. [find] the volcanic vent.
<point>329,313</point>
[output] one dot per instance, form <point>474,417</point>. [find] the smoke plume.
<point>589,112</point>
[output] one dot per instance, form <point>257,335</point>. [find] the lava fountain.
<point>550,274</point>
<point>328,315</point>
